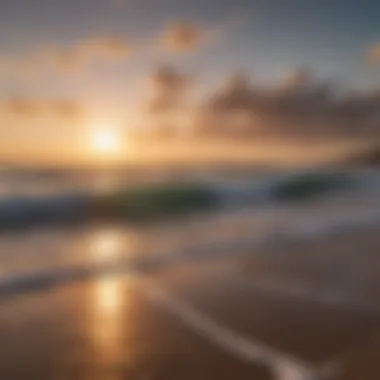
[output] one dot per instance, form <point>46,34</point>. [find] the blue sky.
<point>331,36</point>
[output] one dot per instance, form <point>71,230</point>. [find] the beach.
<point>262,313</point>
<point>285,289</point>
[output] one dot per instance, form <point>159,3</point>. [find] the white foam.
<point>282,365</point>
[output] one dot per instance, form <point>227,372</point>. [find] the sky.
<point>68,68</point>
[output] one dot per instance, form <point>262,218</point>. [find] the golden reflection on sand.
<point>108,306</point>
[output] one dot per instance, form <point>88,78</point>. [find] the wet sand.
<point>110,328</point>
<point>313,331</point>
<point>344,263</point>
<point>91,331</point>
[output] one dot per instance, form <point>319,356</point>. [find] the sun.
<point>106,141</point>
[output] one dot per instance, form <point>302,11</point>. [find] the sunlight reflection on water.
<point>109,304</point>
<point>106,245</point>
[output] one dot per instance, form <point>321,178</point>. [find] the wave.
<point>172,199</point>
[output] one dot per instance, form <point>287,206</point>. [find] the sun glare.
<point>105,141</point>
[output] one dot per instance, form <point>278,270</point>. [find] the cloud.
<point>67,109</point>
<point>68,59</point>
<point>103,47</point>
<point>297,78</point>
<point>181,36</point>
<point>373,55</point>
<point>23,107</point>
<point>185,36</point>
<point>234,93</point>
<point>302,106</point>
<point>35,108</point>
<point>64,59</point>
<point>168,89</point>
<point>86,51</point>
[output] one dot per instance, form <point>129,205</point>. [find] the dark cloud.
<point>302,106</point>
<point>168,88</point>
<point>235,93</point>
<point>297,78</point>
